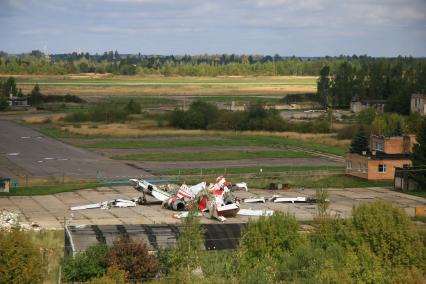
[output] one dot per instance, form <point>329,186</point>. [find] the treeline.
<point>386,124</point>
<point>187,65</point>
<point>202,115</point>
<point>393,81</point>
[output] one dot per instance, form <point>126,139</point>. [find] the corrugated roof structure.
<point>217,236</point>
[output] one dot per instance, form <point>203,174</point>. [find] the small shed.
<point>4,184</point>
<point>404,181</point>
<point>217,236</point>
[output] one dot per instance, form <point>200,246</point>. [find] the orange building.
<point>380,162</point>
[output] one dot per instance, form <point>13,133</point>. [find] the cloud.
<point>187,26</point>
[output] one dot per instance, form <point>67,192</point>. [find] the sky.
<point>286,27</point>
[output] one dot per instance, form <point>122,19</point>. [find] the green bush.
<point>21,262</point>
<point>100,113</point>
<point>269,236</point>
<point>85,265</point>
<point>388,232</point>
<point>346,132</point>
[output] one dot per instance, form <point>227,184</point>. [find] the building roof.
<point>419,95</point>
<point>370,101</point>
<point>383,156</point>
<point>217,236</point>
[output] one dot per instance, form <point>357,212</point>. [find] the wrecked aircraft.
<point>216,199</point>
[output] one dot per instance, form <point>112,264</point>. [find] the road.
<point>39,155</point>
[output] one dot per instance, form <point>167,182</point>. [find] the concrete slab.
<point>49,211</point>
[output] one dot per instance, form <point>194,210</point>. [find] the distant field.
<point>163,86</point>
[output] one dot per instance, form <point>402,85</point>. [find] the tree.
<point>4,103</point>
<point>414,123</point>
<point>20,260</point>
<point>133,257</point>
<point>36,97</point>
<point>133,107</point>
<point>419,155</point>
<point>186,256</point>
<point>367,116</point>
<point>9,87</point>
<point>265,243</point>
<point>398,129</point>
<point>359,142</point>
<point>323,86</point>
<point>388,124</point>
<point>200,115</point>
<point>85,265</point>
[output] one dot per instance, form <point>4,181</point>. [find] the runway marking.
<point>13,154</point>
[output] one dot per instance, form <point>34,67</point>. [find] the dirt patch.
<point>170,90</point>
<point>42,118</point>
<point>83,141</point>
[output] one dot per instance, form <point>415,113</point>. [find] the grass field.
<point>295,180</point>
<point>250,170</point>
<point>319,142</point>
<point>165,86</point>
<point>228,140</point>
<point>211,156</point>
<point>159,80</point>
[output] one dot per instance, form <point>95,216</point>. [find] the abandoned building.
<point>385,154</point>
<point>360,105</point>
<point>18,102</point>
<point>418,104</point>
<point>217,236</point>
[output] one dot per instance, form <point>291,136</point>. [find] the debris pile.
<point>216,198</point>
<point>10,219</point>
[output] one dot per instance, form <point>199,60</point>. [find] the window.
<point>349,164</point>
<point>382,168</point>
<point>378,146</point>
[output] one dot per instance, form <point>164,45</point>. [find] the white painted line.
<point>25,137</point>
<point>48,158</point>
<point>39,161</point>
<point>13,154</point>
